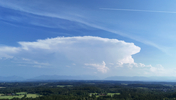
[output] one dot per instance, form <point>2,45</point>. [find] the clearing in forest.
<point>112,94</point>
<point>19,95</point>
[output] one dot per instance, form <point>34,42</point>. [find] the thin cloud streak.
<point>82,21</point>
<point>136,10</point>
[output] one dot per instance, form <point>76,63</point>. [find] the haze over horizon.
<point>93,37</point>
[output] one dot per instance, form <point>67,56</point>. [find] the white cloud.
<point>145,70</point>
<point>94,53</point>
<point>126,60</point>
<point>7,52</point>
<point>159,70</point>
<point>29,62</point>
<point>61,51</point>
<point>100,67</point>
<point>72,14</point>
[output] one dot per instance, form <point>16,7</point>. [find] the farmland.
<point>85,90</point>
<point>10,96</point>
<point>18,95</point>
<point>102,94</point>
<point>112,94</point>
<point>64,86</point>
<point>32,95</point>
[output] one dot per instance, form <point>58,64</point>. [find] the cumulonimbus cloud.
<point>67,15</point>
<point>100,67</point>
<point>85,50</point>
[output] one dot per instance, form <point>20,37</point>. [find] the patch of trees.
<point>80,90</point>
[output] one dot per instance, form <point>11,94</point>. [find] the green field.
<point>2,87</point>
<point>142,88</point>
<point>112,94</point>
<point>90,83</point>
<point>32,95</point>
<point>11,97</point>
<point>60,85</point>
<point>21,93</point>
<point>94,93</point>
<point>64,86</point>
<point>108,94</point>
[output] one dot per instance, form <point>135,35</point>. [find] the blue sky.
<point>94,37</point>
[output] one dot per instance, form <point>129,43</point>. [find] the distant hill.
<point>10,78</point>
<point>141,78</point>
<point>87,77</point>
<point>58,77</point>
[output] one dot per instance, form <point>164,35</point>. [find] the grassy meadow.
<point>112,94</point>
<point>18,95</point>
<point>64,86</point>
<point>108,94</point>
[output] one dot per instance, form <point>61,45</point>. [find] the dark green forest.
<point>88,90</point>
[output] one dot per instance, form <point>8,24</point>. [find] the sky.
<point>88,37</point>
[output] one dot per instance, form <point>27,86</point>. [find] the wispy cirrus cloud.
<point>136,10</point>
<point>68,14</point>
